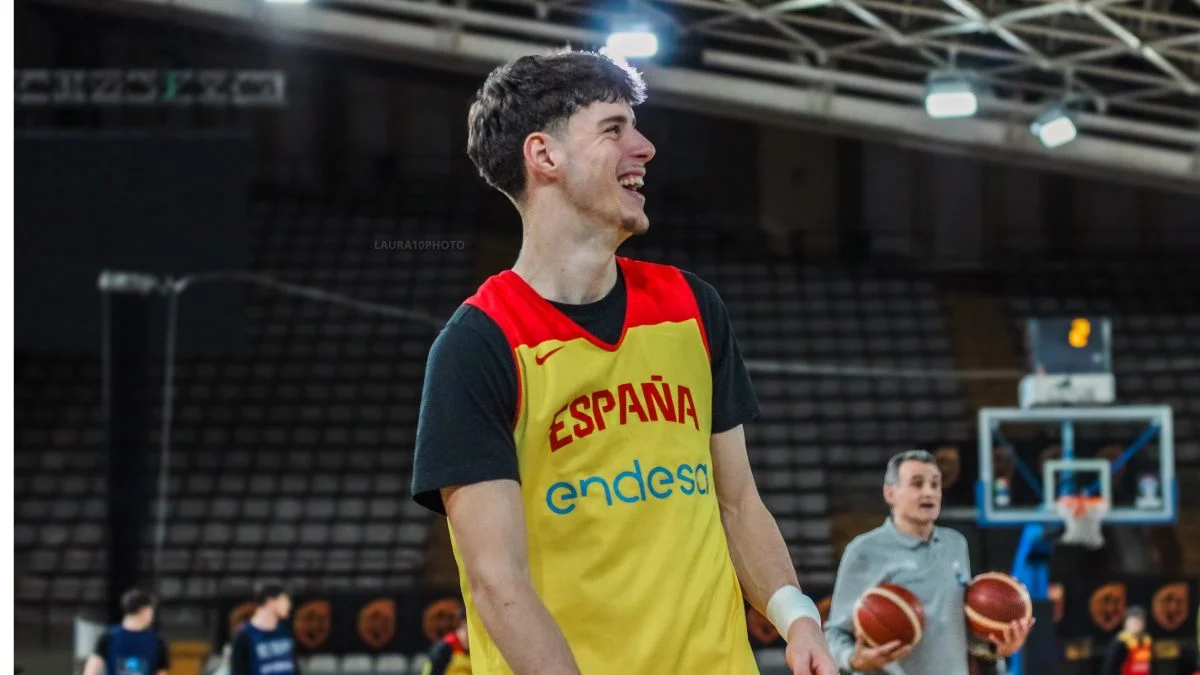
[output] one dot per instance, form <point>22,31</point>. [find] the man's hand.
<point>875,658</point>
<point>807,653</point>
<point>1013,638</point>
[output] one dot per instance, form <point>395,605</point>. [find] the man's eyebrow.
<point>618,119</point>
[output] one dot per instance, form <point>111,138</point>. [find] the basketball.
<point>995,599</point>
<point>889,612</point>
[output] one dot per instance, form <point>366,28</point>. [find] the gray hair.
<point>893,466</point>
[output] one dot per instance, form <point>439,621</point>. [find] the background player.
<point>131,647</point>
<point>611,537</point>
<point>452,654</point>
<point>265,646</point>
<point>1132,651</point>
<point>932,562</point>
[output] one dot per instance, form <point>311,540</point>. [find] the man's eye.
<point>613,129</point>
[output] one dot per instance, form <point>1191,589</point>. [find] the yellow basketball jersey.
<point>626,547</point>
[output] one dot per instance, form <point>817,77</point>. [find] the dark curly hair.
<point>539,93</point>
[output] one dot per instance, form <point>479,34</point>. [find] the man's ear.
<point>888,495</point>
<point>544,154</point>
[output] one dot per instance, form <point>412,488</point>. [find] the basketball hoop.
<point>1082,516</point>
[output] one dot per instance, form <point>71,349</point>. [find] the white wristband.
<point>789,604</point>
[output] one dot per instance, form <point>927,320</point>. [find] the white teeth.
<point>635,182</point>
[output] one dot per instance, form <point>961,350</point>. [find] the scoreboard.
<point>1070,345</point>
<point>1070,362</point>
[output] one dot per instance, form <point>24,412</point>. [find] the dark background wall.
<point>164,203</point>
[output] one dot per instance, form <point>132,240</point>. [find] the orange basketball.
<point>889,612</point>
<point>994,600</point>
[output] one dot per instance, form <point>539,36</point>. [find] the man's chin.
<point>637,225</point>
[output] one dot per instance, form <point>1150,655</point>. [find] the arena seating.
<point>59,486</point>
<point>350,664</point>
<point>292,460</point>
<point>361,664</point>
<point>290,457</point>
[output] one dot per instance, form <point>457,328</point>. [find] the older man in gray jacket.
<point>932,562</point>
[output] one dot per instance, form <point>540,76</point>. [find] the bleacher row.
<point>357,664</point>
<point>59,490</point>
<point>310,485</point>
<point>291,456</point>
<point>770,661</point>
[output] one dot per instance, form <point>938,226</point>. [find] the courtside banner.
<point>1090,612</point>
<point>406,622</point>
<point>1095,608</point>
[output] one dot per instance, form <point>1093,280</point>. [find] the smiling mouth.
<point>632,183</point>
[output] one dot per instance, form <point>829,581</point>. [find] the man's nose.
<point>643,149</point>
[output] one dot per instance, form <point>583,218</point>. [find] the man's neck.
<point>565,257</point>
<point>264,620</point>
<point>132,624</point>
<point>922,531</point>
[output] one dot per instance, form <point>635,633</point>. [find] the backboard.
<point>1029,458</point>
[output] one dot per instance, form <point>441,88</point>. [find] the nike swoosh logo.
<point>542,359</point>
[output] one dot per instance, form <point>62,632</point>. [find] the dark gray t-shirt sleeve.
<point>734,401</point>
<point>464,427</point>
<point>469,399</point>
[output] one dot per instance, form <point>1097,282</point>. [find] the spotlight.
<point>1054,127</point>
<point>950,95</point>
<point>632,44</point>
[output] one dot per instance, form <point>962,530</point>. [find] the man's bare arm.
<point>489,528</point>
<point>760,555</point>
<point>761,559</point>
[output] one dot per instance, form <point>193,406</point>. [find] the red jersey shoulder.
<point>496,296</point>
<point>658,290</point>
<point>660,293</point>
<point>522,315</point>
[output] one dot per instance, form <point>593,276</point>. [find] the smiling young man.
<point>581,420</point>
<point>932,562</point>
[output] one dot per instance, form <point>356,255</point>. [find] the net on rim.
<point>1083,516</point>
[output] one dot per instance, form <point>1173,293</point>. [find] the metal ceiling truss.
<point>1130,69</point>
